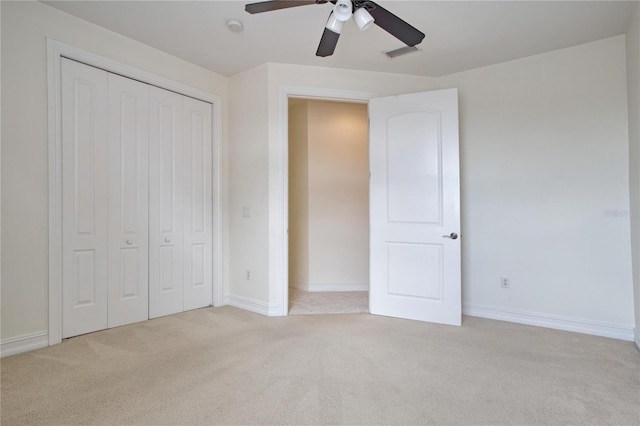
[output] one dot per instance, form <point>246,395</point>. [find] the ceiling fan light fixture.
<point>363,18</point>
<point>342,10</point>
<point>333,24</point>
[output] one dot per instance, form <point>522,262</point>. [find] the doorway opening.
<point>414,204</point>
<point>328,206</point>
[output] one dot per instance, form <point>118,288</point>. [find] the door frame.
<point>55,51</point>
<point>279,223</point>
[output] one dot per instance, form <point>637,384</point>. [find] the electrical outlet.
<point>247,275</point>
<point>504,282</point>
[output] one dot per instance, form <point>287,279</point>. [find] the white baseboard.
<point>637,333</point>
<point>256,306</point>
<point>300,285</point>
<point>339,286</point>
<point>28,342</point>
<point>332,286</point>
<point>577,325</point>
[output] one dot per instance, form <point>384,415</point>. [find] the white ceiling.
<point>460,35</point>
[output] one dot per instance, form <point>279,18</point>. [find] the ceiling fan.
<point>364,14</point>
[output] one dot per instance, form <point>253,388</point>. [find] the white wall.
<point>633,97</point>
<point>298,195</point>
<point>544,160</point>
<point>338,196</point>
<point>248,188</point>
<point>25,27</point>
<point>336,193</point>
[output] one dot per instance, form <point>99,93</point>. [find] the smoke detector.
<point>235,26</point>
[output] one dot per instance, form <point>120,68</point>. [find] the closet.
<point>136,200</point>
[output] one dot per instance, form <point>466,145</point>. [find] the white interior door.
<point>197,202</point>
<point>415,207</point>
<point>128,201</point>
<point>84,198</point>
<point>166,183</point>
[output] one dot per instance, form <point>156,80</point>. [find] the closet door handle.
<point>129,242</point>
<point>167,240</point>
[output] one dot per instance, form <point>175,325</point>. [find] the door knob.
<point>167,240</point>
<point>452,235</point>
<point>129,242</point>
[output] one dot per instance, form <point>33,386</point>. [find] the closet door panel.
<point>197,204</point>
<point>166,183</point>
<point>84,198</point>
<point>128,201</point>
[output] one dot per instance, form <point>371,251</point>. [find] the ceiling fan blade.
<point>395,26</point>
<point>328,43</point>
<point>267,6</point>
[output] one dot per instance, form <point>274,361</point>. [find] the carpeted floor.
<point>324,302</point>
<point>228,366</point>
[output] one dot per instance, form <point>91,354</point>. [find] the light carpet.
<point>324,302</point>
<point>228,366</point>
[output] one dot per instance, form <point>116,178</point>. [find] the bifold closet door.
<point>180,213</point>
<point>197,204</point>
<point>128,274</point>
<point>166,183</point>
<point>105,199</point>
<point>85,175</point>
<point>136,201</point>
